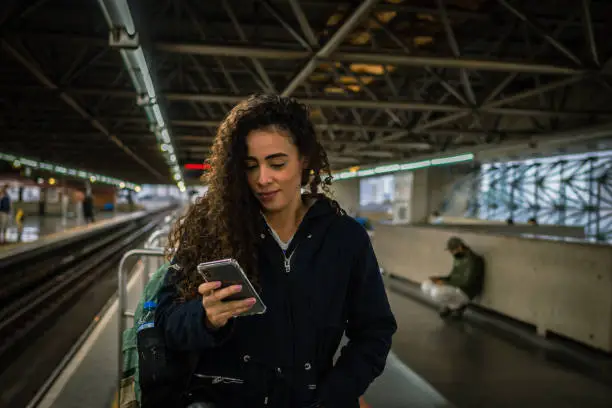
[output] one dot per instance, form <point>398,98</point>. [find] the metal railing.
<point>153,242</point>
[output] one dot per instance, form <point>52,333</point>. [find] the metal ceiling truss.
<point>385,80</point>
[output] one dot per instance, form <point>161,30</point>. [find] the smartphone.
<point>229,273</point>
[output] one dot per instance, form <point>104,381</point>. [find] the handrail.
<point>155,236</point>
<point>152,242</point>
<point>122,299</point>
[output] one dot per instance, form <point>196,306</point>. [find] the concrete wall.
<point>499,227</point>
<point>346,192</point>
<point>561,287</point>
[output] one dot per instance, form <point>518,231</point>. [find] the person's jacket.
<point>331,285</point>
<point>468,274</point>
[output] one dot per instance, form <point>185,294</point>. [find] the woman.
<point>313,265</point>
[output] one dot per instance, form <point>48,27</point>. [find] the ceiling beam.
<point>459,111</point>
<point>357,103</point>
<point>391,57</point>
<point>290,53</point>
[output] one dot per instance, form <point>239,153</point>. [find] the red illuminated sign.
<point>197,166</point>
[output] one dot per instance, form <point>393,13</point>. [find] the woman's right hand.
<point>219,312</point>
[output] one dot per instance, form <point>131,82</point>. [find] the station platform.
<point>433,364</point>
<point>485,361</point>
<point>37,227</point>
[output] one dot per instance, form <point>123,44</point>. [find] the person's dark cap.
<point>454,243</point>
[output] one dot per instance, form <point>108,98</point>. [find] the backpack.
<point>129,393</point>
<point>160,379</point>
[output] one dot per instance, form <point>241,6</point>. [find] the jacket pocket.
<point>329,338</point>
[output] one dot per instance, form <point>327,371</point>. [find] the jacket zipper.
<point>288,258</point>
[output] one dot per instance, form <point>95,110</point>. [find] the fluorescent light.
<point>365,173</point>
<point>28,162</point>
<point>387,169</point>
<point>165,135</point>
<point>454,159</point>
<point>393,168</point>
<point>144,71</point>
<point>158,116</point>
<point>416,165</point>
<point>60,169</point>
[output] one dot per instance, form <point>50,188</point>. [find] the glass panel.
<point>573,190</point>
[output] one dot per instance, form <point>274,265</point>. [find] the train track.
<point>34,294</point>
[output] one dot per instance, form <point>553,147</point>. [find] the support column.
<point>420,198</point>
<point>346,192</point>
<point>402,202</point>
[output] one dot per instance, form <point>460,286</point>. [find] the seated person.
<point>455,291</point>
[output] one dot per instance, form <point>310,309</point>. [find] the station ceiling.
<point>405,78</point>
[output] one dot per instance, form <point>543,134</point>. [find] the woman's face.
<point>274,169</point>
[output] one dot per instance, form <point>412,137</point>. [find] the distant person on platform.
<point>5,209</point>
<point>454,292</point>
<point>363,221</point>
<point>130,201</point>
<point>88,209</point>
<point>65,203</point>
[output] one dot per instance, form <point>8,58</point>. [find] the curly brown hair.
<point>226,222</point>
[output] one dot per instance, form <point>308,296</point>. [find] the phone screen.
<point>229,273</point>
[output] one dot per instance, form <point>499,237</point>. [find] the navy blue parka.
<point>327,284</point>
